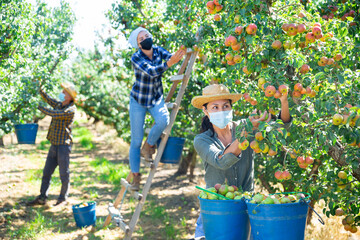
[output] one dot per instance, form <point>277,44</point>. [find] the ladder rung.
<point>189,51</point>
<point>113,211</point>
<point>115,214</point>
<point>149,164</point>
<point>177,78</point>
<point>120,223</point>
<point>125,183</point>
<point>171,105</point>
<point>136,195</point>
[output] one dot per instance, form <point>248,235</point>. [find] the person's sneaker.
<point>37,201</point>
<point>60,202</point>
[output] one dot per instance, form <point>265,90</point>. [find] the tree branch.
<point>139,8</point>
<point>336,152</point>
<point>55,65</point>
<point>17,110</point>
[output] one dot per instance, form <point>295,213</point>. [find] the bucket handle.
<point>320,218</point>
<point>219,195</point>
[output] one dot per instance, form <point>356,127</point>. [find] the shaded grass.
<point>160,217</point>
<point>110,172</point>
<point>85,137</point>
<point>44,145</point>
<point>33,229</point>
<point>35,175</point>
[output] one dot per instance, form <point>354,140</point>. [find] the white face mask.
<point>221,119</point>
<point>62,97</point>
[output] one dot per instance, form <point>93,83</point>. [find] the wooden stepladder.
<point>182,77</point>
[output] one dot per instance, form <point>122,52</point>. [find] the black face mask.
<point>147,44</point>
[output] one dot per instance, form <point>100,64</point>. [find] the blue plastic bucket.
<point>225,219</point>
<point>173,150</point>
<point>84,216</point>
<point>278,221</point>
<point>26,133</point>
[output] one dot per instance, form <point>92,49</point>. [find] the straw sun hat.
<point>70,89</point>
<point>212,93</point>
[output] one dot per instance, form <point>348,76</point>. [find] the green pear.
<point>230,195</point>
<point>223,189</point>
<point>238,197</point>
<point>276,201</point>
<point>268,200</point>
<point>212,189</point>
<point>285,200</point>
<point>203,195</point>
<point>292,198</point>
<point>258,198</point>
<point>212,196</point>
<point>231,189</point>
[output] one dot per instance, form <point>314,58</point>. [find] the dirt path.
<point>171,208</point>
<point>19,162</point>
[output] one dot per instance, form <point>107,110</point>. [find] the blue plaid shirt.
<point>147,89</point>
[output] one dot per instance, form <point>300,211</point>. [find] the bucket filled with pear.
<point>271,216</point>
<point>223,192</point>
<point>223,212</point>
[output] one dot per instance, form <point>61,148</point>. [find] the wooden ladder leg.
<point>147,186</point>
<point>118,199</point>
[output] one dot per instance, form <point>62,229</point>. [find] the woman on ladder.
<point>217,145</point>
<point>149,63</point>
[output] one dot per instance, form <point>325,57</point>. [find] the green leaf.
<point>319,76</point>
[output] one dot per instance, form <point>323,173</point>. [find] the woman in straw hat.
<point>149,63</point>
<point>217,145</point>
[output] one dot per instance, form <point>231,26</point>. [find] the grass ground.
<point>98,161</point>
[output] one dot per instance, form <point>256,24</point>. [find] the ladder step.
<point>113,211</point>
<point>189,51</point>
<point>150,165</point>
<point>177,78</point>
<point>135,194</point>
<point>116,216</point>
<point>123,226</point>
<point>171,105</point>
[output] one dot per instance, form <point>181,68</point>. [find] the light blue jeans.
<point>160,114</point>
<point>199,229</point>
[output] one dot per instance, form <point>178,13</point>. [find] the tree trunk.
<point>2,141</point>
<point>314,172</point>
<point>192,166</point>
<point>265,183</point>
<point>310,212</point>
<point>186,162</point>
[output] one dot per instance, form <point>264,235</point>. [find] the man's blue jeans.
<point>160,114</point>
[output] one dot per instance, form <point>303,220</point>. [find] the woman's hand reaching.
<point>176,57</point>
<point>255,120</point>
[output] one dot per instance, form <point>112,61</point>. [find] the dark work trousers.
<point>58,155</point>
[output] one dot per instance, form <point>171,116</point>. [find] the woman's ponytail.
<point>206,125</point>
